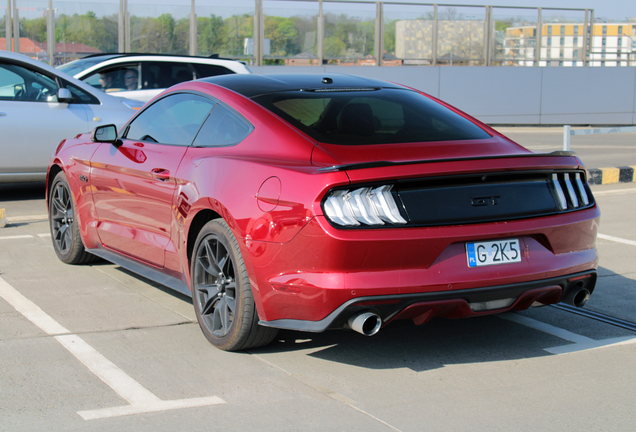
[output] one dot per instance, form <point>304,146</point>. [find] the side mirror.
<point>64,95</point>
<point>105,134</point>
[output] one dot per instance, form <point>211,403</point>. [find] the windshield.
<point>77,66</point>
<point>370,116</point>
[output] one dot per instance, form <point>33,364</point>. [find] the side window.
<point>43,88</point>
<point>22,84</point>
<point>175,120</point>
<point>222,128</point>
<point>166,74</point>
<point>207,70</point>
<point>115,78</point>
<point>11,84</point>
<point>80,96</point>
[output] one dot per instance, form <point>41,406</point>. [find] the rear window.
<point>207,70</point>
<point>382,116</point>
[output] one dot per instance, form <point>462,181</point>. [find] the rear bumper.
<point>323,268</point>
<point>421,307</point>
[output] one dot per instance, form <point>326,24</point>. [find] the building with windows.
<point>458,41</point>
<point>563,44</point>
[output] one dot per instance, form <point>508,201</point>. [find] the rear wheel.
<point>65,234</point>
<point>221,292</point>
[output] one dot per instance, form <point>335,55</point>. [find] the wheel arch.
<point>50,177</point>
<point>198,222</point>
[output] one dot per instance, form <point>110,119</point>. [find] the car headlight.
<point>367,205</point>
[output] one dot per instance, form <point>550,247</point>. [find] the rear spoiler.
<point>379,164</point>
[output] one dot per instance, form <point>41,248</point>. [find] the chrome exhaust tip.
<point>366,323</point>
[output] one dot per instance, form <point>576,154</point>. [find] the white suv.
<point>143,76</point>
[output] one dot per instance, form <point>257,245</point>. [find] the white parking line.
<point>614,192</point>
<point>616,239</point>
<point>141,399</point>
<point>30,310</point>
<point>24,236</point>
<point>545,328</point>
<point>581,343</point>
<point>14,237</point>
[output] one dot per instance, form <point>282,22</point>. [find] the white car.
<point>39,107</point>
<point>143,76</point>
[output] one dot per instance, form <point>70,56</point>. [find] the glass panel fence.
<point>226,30</point>
<point>3,26</point>
<point>85,28</point>
<point>515,36</point>
<point>562,38</point>
<point>349,33</point>
<point>408,34</point>
<point>461,35</point>
<point>32,16</point>
<point>291,33</point>
<point>291,29</point>
<point>160,28</point>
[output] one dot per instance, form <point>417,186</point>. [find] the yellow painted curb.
<point>3,218</point>
<point>610,175</point>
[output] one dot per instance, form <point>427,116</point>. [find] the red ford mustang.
<point>310,203</point>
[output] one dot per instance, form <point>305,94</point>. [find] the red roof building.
<point>64,51</point>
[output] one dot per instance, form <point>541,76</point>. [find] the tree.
<point>34,29</point>
<point>210,34</point>
<point>283,36</point>
<point>152,35</point>
<point>100,33</point>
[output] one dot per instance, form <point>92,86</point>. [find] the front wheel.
<point>221,292</point>
<point>65,233</point>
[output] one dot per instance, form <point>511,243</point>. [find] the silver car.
<point>39,107</point>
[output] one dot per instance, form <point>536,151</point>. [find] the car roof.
<point>110,59</point>
<point>118,55</point>
<point>56,72</point>
<point>254,85</point>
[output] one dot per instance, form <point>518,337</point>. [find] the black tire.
<point>221,292</point>
<point>65,234</point>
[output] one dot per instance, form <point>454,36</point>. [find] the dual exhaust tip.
<point>369,323</point>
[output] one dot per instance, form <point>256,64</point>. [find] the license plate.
<point>493,252</point>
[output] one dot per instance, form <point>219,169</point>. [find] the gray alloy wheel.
<point>221,291</point>
<point>65,234</point>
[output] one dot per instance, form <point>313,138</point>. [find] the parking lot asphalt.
<point>96,348</point>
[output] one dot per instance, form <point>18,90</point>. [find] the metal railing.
<point>568,132</point>
<point>438,35</point>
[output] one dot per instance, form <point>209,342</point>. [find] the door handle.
<point>160,173</point>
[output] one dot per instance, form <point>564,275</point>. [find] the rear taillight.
<point>373,206</point>
<point>570,190</point>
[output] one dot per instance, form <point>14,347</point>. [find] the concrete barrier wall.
<point>513,95</point>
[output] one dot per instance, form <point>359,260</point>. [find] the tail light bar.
<point>577,195</point>
<point>371,206</point>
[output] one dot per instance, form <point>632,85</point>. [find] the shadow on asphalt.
<point>21,191</point>
<point>442,342</point>
<point>437,344</point>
